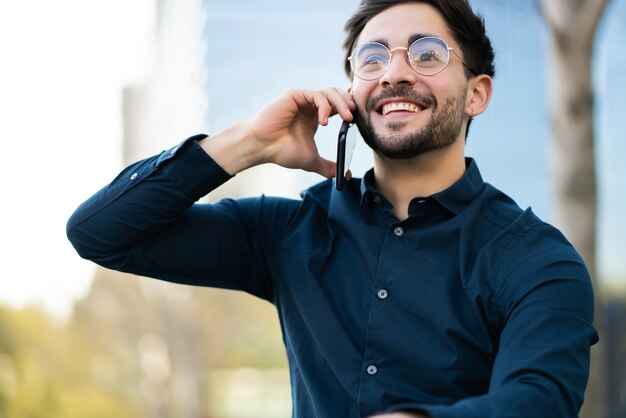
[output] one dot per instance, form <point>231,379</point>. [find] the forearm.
<point>142,199</point>
<point>514,401</point>
<point>151,227</point>
<point>542,364</point>
<point>235,149</point>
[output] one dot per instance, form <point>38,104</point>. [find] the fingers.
<point>286,127</point>
<point>328,102</point>
<point>339,102</point>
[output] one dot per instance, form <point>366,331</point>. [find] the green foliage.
<point>39,376</point>
<point>135,347</point>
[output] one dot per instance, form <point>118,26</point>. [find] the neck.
<point>402,180</point>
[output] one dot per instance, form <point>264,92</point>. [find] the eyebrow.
<point>411,39</point>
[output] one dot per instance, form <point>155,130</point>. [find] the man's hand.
<point>282,133</point>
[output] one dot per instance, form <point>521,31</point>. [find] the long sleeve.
<point>145,222</point>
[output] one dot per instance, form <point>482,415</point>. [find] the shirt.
<point>471,307</point>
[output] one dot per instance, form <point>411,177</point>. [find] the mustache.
<point>402,92</point>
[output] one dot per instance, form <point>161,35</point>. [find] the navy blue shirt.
<point>471,307</point>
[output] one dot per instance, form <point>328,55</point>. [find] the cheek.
<point>362,91</point>
<point>455,89</point>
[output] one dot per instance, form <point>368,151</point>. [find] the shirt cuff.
<point>191,168</point>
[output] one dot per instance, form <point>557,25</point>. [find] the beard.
<point>441,131</point>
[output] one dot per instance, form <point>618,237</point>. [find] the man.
<point>417,291</point>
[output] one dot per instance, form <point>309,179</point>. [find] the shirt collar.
<point>455,198</point>
<point>368,192</point>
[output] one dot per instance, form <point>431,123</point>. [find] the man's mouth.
<point>388,108</point>
<point>400,101</point>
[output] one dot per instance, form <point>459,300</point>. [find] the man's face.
<point>404,114</point>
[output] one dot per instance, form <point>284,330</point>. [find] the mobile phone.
<point>342,167</point>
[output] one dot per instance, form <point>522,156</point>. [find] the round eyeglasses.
<point>428,56</point>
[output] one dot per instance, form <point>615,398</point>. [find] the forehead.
<point>397,24</point>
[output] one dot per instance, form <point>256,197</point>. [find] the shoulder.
<point>517,229</point>
<point>281,213</point>
<point>320,192</point>
<point>536,263</point>
<point>525,237</point>
<point>324,195</point>
<point>524,250</point>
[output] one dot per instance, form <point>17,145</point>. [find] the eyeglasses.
<point>427,56</point>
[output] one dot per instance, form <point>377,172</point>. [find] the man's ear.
<point>479,91</point>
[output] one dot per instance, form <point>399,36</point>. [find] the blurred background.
<point>88,87</point>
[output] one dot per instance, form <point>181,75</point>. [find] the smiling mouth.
<point>400,107</point>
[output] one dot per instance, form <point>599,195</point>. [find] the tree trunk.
<point>572,26</point>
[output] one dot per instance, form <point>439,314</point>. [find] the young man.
<point>417,291</point>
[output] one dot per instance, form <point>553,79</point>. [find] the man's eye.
<point>373,60</point>
<point>426,56</point>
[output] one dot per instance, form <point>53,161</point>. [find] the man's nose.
<point>399,70</point>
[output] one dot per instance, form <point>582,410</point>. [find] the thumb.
<point>324,167</point>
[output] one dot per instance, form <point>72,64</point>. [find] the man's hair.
<point>467,27</point>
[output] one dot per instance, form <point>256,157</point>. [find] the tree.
<point>44,372</point>
<point>572,25</point>
<point>159,343</point>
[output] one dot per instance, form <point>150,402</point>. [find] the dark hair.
<point>467,27</point>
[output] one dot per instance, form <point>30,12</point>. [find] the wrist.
<point>234,149</point>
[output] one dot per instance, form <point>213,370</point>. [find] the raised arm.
<point>145,220</point>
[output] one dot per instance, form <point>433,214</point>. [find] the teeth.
<point>391,107</point>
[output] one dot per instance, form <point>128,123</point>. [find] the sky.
<point>66,62</point>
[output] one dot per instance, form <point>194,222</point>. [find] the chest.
<point>414,282</point>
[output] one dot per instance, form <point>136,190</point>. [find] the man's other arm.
<point>545,300</point>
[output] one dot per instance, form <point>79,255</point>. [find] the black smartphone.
<point>341,155</point>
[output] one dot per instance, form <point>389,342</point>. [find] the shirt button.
<point>377,200</point>
<point>372,370</point>
<point>382,294</point>
<point>133,176</point>
<point>399,231</point>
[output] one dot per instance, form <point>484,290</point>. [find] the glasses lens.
<point>429,55</point>
<point>369,60</point>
